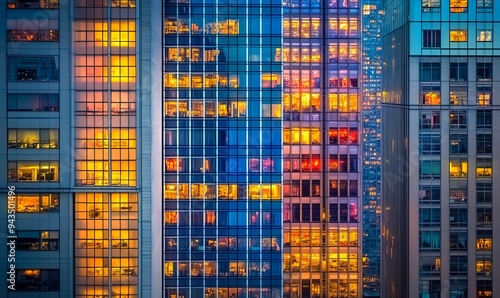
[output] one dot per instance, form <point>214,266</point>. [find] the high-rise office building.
<point>222,149</point>
<point>439,158</point>
<point>372,94</point>
<point>321,151</point>
<point>81,82</point>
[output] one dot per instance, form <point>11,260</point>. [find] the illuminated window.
<point>170,217</point>
<point>31,4</point>
<point>484,265</point>
<point>458,168</point>
<point>484,167</point>
<point>33,138</point>
<point>37,203</point>
<point>38,280</point>
<point>430,95</point>
<point>458,95</point>
<point>458,35</point>
<point>270,80</point>
<point>484,240</point>
<point>458,5</point>
<point>484,35</point>
<point>33,171</point>
<point>169,268</point>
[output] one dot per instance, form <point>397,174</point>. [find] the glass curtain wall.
<point>222,149</point>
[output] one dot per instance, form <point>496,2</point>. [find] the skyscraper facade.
<point>439,157</point>
<point>321,152</point>
<point>222,149</point>
<point>372,94</point>
<point>78,117</point>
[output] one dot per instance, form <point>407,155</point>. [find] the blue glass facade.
<point>371,83</point>
<point>222,149</point>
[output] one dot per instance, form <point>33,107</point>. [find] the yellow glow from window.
<point>122,34</point>
<point>431,98</point>
<point>458,5</point>
<point>483,99</point>
<point>458,35</point>
<point>458,169</point>
<point>123,68</point>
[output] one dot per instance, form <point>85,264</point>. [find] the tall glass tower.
<point>440,162</point>
<point>372,93</point>
<point>222,148</point>
<point>321,152</point>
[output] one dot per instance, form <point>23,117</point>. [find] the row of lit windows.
<point>310,102</point>
<point>211,108</point>
<point>227,292</point>
<point>33,4</point>
<point>182,26</point>
<point>306,163</point>
<point>342,52</point>
<point>33,171</point>
<point>310,28</point>
<point>312,262</point>
<point>106,244</point>
<point>432,96</point>
<point>33,35</point>
<point>33,138</point>
<point>191,55</point>
<point>185,80</point>
<point>222,243</point>
<point>120,68</point>
<point>456,6</point>
<point>97,172</point>
<point>35,203</point>
<point>231,191</point>
<point>311,238</point>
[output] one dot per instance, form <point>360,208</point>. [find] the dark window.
<point>484,192</point>
<point>484,119</point>
<point>458,240</point>
<point>430,144</point>
<point>484,71</point>
<point>353,163</point>
<point>353,188</point>
<point>484,287</point>
<point>484,143</point>
<point>33,69</point>
<point>458,143</point>
<point>430,119</point>
<point>458,119</point>
<point>430,216</point>
<point>430,169</point>
<point>295,212</point>
<point>458,217</point>
<point>37,280</point>
<point>33,102</point>
<point>334,213</point>
<point>458,71</point>
<point>430,72</point>
<point>343,213</point>
<point>432,38</point>
<point>484,216</point>
<point>334,188</point>
<point>430,194</point>
<point>44,4</point>
<point>306,188</point>
<point>306,212</point>
<point>316,213</point>
<point>458,265</point>
<point>430,240</point>
<point>343,188</point>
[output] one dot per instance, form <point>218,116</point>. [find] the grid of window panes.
<point>223,149</point>
<point>106,245</point>
<point>371,84</point>
<point>470,172</point>
<point>106,225</point>
<point>105,96</point>
<point>321,149</point>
